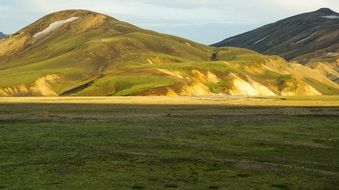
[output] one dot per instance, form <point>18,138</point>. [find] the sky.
<point>205,21</point>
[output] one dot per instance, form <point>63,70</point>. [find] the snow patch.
<point>53,27</point>
<point>188,44</point>
<point>331,16</point>
<point>307,38</point>
<point>332,54</point>
<point>262,39</point>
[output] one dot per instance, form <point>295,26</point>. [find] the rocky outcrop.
<point>41,87</point>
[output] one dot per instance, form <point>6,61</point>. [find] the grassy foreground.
<point>187,146</point>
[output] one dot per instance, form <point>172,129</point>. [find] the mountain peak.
<point>77,20</point>
<point>78,12</point>
<point>298,37</point>
<point>69,13</point>
<point>325,11</point>
<point>2,35</point>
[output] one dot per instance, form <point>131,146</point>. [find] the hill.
<point>83,53</point>
<point>2,35</point>
<point>304,37</point>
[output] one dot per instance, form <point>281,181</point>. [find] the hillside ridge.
<point>304,37</point>
<point>84,53</point>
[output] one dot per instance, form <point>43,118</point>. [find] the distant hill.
<point>2,35</point>
<point>83,53</point>
<point>305,37</point>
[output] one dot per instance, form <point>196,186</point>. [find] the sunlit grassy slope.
<point>98,55</point>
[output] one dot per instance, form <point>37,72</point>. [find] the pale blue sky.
<point>205,21</point>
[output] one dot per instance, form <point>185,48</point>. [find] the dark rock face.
<point>302,37</point>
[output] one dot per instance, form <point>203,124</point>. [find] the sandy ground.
<point>332,101</point>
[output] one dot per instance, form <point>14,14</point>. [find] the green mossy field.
<point>92,146</point>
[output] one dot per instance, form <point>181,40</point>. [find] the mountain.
<point>83,53</point>
<point>2,35</point>
<point>306,37</point>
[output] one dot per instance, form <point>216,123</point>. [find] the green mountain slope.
<point>82,53</point>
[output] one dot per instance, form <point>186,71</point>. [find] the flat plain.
<point>169,143</point>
